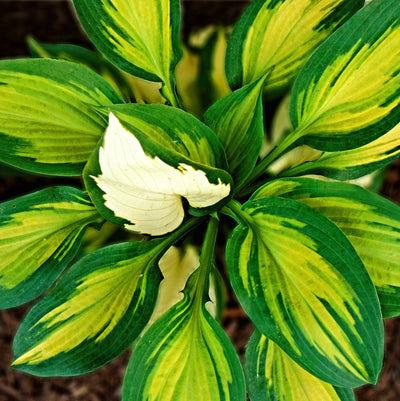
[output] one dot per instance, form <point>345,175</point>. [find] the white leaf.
<point>145,190</point>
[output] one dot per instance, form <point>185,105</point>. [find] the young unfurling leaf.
<point>237,119</point>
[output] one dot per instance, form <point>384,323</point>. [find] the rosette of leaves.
<point>313,262</point>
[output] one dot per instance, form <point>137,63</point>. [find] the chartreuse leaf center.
<point>185,355</point>
<point>370,222</point>
<point>273,375</point>
<point>47,116</point>
<point>39,235</point>
<point>140,37</point>
<point>95,311</point>
<point>294,282</point>
<point>297,28</point>
<point>340,99</point>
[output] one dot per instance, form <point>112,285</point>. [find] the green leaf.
<point>184,355</point>
<point>88,58</point>
<point>272,375</point>
<point>281,35</point>
<point>47,120</point>
<point>370,222</point>
<point>237,119</point>
<point>39,236</point>
<point>354,163</point>
<point>140,37</point>
<point>348,93</point>
<point>304,286</point>
<point>94,313</point>
<point>150,157</point>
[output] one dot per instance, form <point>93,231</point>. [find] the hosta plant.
<point>172,157</point>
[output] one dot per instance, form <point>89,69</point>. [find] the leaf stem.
<point>287,143</point>
<point>206,260</point>
<point>168,90</point>
<point>234,210</point>
<point>184,229</point>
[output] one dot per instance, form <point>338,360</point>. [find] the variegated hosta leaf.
<point>217,295</point>
<point>47,124</point>
<point>185,355</point>
<point>211,82</point>
<point>139,36</point>
<point>237,119</point>
<point>354,163</point>
<point>39,235</point>
<point>281,35</point>
<point>150,157</point>
<point>281,126</point>
<point>370,222</point>
<point>304,286</point>
<point>94,313</point>
<point>272,375</point>
<point>186,74</point>
<point>131,88</point>
<point>200,74</point>
<point>348,93</point>
<point>88,58</point>
<point>176,266</point>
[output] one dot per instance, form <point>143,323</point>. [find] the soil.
<point>53,21</point>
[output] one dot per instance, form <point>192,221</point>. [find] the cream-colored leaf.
<point>145,190</point>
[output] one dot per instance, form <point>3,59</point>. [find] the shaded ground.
<point>53,21</point>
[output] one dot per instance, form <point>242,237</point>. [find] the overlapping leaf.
<point>94,313</point>
<point>139,36</point>
<point>304,286</point>
<point>39,235</point>
<point>348,93</point>
<point>370,222</point>
<point>237,119</point>
<point>150,157</point>
<point>47,124</point>
<point>176,266</point>
<point>184,355</point>
<point>88,58</point>
<point>273,375</point>
<point>281,35</point>
<point>211,82</point>
<point>354,163</point>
